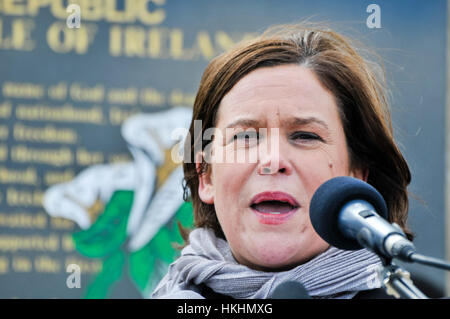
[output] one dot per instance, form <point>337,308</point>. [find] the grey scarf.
<point>208,260</point>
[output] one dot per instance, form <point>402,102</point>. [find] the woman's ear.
<point>360,173</point>
<point>205,185</point>
<point>366,174</point>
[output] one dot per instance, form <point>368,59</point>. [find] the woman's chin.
<point>273,257</point>
<point>281,253</point>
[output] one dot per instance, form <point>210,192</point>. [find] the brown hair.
<point>361,95</point>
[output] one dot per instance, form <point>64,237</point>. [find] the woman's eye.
<point>246,139</point>
<point>246,135</point>
<point>309,136</point>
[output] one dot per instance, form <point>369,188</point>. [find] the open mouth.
<point>274,208</point>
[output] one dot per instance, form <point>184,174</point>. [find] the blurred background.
<point>89,194</point>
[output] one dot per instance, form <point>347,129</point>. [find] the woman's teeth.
<point>273,207</point>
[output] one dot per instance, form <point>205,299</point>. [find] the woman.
<point>308,107</point>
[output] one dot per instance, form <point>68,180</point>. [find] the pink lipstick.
<point>274,208</point>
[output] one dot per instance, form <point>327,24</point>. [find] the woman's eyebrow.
<point>244,123</point>
<point>299,121</point>
<point>295,121</point>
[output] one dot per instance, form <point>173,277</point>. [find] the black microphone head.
<point>328,201</point>
<point>290,290</point>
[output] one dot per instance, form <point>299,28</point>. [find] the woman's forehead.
<point>289,92</point>
<point>283,80</point>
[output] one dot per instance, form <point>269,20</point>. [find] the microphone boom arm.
<point>397,282</point>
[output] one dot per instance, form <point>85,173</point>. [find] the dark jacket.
<point>378,293</point>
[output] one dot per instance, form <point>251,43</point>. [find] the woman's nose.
<point>273,159</point>
<point>270,167</point>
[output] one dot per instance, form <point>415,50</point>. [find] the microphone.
<point>290,290</point>
<point>350,214</point>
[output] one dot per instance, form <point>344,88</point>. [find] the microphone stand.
<point>429,261</point>
<point>397,281</point>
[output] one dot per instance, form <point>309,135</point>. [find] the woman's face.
<point>262,202</point>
